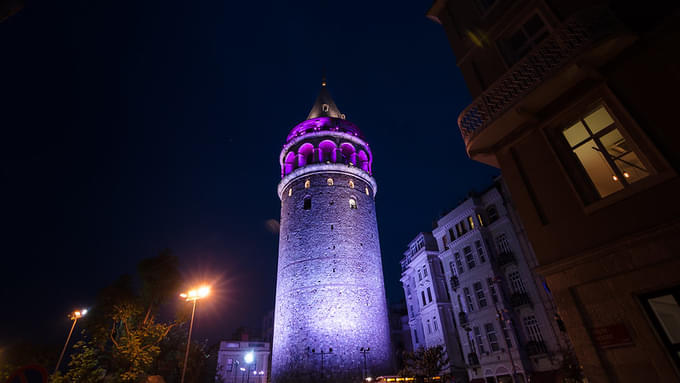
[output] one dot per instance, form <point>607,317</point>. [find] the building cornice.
<point>326,168</point>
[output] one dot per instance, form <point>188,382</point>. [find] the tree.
<point>424,363</point>
<point>84,365</point>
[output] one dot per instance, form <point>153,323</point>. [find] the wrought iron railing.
<point>519,299</point>
<point>536,347</point>
<point>505,258</point>
<point>573,37</point>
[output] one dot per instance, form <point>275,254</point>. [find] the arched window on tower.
<point>307,204</point>
<point>367,193</point>
<point>305,154</point>
<point>329,182</point>
<point>352,203</point>
<point>289,163</point>
<point>307,184</point>
<point>290,192</point>
<point>324,107</point>
<point>348,153</point>
<point>327,151</point>
<point>362,160</point>
<point>351,184</point>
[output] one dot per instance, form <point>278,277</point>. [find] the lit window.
<point>608,158</point>
<point>352,203</point>
<point>471,222</point>
<point>329,182</point>
<point>290,192</point>
<point>351,184</point>
<point>307,203</point>
<point>307,184</point>
<point>479,218</point>
<point>367,193</point>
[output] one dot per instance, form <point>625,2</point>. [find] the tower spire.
<point>324,105</point>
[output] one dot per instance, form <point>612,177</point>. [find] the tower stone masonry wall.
<point>330,289</point>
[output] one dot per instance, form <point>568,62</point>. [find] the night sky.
<point>128,127</point>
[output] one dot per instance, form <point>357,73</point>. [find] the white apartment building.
<point>504,314</point>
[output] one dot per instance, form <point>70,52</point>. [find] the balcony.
<point>505,258</point>
<point>472,359</point>
<point>463,319</point>
<point>519,299</point>
<point>455,283</point>
<point>536,348</point>
<point>593,37</point>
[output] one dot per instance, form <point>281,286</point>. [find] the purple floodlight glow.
<point>324,123</point>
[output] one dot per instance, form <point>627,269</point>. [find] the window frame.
<point>501,41</point>
<point>672,349</point>
<point>571,168</point>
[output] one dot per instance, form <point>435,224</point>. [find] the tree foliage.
<point>126,342</point>
<point>424,363</point>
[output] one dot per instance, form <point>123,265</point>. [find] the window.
<point>434,322</point>
<point>492,290</point>
<point>445,242</point>
<point>491,336</point>
<point>420,276</point>
<point>307,205</point>
<point>408,291</point>
<point>492,213</point>
<point>479,293</point>
<point>415,335</point>
<point>468,299</point>
<point>351,184</point>
<point>533,331</point>
<point>366,190</point>
<point>451,235</point>
<point>522,40</point>
<point>609,160</point>
<point>307,184</point>
<point>663,308</point>
<point>481,221</point>
<point>329,182</point>
<point>325,107</point>
<point>459,262</point>
<point>503,244</point>
<point>352,203</point>
<point>453,269</point>
<point>429,295</point>
<point>230,364</point>
<point>290,192</point>
<point>516,282</point>
<point>468,257</point>
<point>471,222</point>
<point>463,228</point>
<point>429,328</point>
<point>422,295</point>
<point>425,271</point>
<point>480,251</point>
<point>480,340</point>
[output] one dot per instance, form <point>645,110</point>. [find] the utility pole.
<point>500,314</point>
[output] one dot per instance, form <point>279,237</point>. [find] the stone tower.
<point>330,294</point>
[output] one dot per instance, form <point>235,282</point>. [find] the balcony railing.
<point>535,348</point>
<point>472,358</point>
<point>573,37</point>
<point>519,299</point>
<point>455,282</point>
<point>462,319</point>
<point>505,258</point>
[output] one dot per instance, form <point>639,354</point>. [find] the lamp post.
<point>365,350</point>
<point>192,295</point>
<point>249,358</point>
<point>323,353</point>
<point>74,316</point>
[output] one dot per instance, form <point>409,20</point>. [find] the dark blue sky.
<point>132,126</point>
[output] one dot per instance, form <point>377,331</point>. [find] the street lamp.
<point>192,295</point>
<point>249,357</point>
<point>74,316</point>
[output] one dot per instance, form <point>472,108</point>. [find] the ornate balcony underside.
<point>584,41</point>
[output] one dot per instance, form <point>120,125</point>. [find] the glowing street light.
<point>249,358</point>
<point>192,295</point>
<point>74,316</point>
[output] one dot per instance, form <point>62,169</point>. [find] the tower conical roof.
<point>324,105</point>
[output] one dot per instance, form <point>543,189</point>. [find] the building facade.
<point>574,102</point>
<point>330,320</point>
<point>238,361</point>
